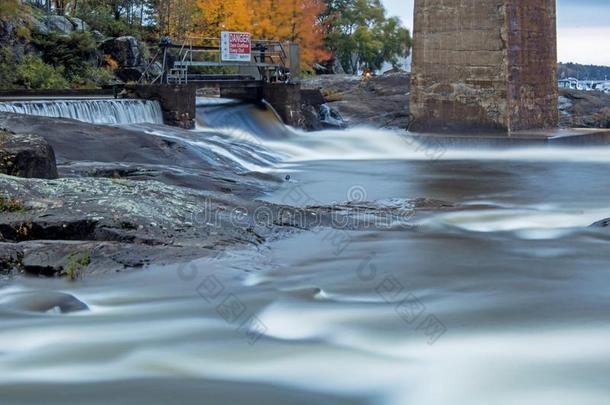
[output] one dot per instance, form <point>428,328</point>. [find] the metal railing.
<point>268,57</point>
<point>184,62</point>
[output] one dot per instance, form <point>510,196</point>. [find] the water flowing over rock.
<point>91,111</point>
<point>161,195</point>
<point>42,302</point>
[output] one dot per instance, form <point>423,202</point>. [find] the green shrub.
<point>75,53</point>
<point>9,9</point>
<point>93,78</point>
<point>100,17</point>
<point>23,33</point>
<point>33,73</point>
<point>10,205</point>
<point>77,264</point>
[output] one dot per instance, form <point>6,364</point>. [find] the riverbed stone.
<point>26,155</point>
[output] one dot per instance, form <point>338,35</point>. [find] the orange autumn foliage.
<point>214,16</point>
<point>284,20</point>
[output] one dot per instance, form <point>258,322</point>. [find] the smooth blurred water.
<point>507,303</point>
<point>103,111</point>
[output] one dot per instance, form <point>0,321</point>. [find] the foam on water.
<point>248,124</point>
<point>499,220</point>
<point>364,143</point>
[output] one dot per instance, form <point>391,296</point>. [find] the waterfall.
<point>93,111</point>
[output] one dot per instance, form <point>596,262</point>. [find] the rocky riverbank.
<point>588,109</point>
<point>123,198</point>
<point>382,101</point>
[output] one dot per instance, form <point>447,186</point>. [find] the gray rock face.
<point>27,156</point>
<point>59,24</point>
<point>98,36</point>
<point>39,26</point>
<point>78,24</point>
<point>11,255</point>
<point>7,30</point>
<point>358,101</point>
<point>9,37</point>
<point>125,50</point>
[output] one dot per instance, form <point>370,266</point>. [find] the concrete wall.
<point>253,94</point>
<point>484,65</point>
<point>533,89</point>
<point>286,100</point>
<point>178,101</point>
<point>296,107</point>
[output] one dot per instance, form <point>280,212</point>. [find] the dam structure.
<point>484,66</point>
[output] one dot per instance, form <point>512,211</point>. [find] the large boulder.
<point>25,155</point>
<point>59,24</point>
<point>124,50</point>
<point>39,26</point>
<point>98,36</point>
<point>79,25</point>
<point>7,31</point>
<point>9,38</point>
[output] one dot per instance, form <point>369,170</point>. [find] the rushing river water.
<point>504,303</point>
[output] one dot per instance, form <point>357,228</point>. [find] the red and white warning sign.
<point>236,46</point>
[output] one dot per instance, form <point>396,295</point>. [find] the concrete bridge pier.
<point>484,66</point>
<point>178,101</point>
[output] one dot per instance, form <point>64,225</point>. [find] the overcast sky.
<point>583,28</point>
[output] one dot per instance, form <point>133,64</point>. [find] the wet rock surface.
<point>116,223</point>
<point>26,155</point>
<point>105,151</point>
<point>122,224</point>
<point>61,25</point>
<point>128,197</point>
<point>42,302</point>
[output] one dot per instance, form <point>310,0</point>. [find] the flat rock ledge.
<point>75,227</point>
<point>72,226</point>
